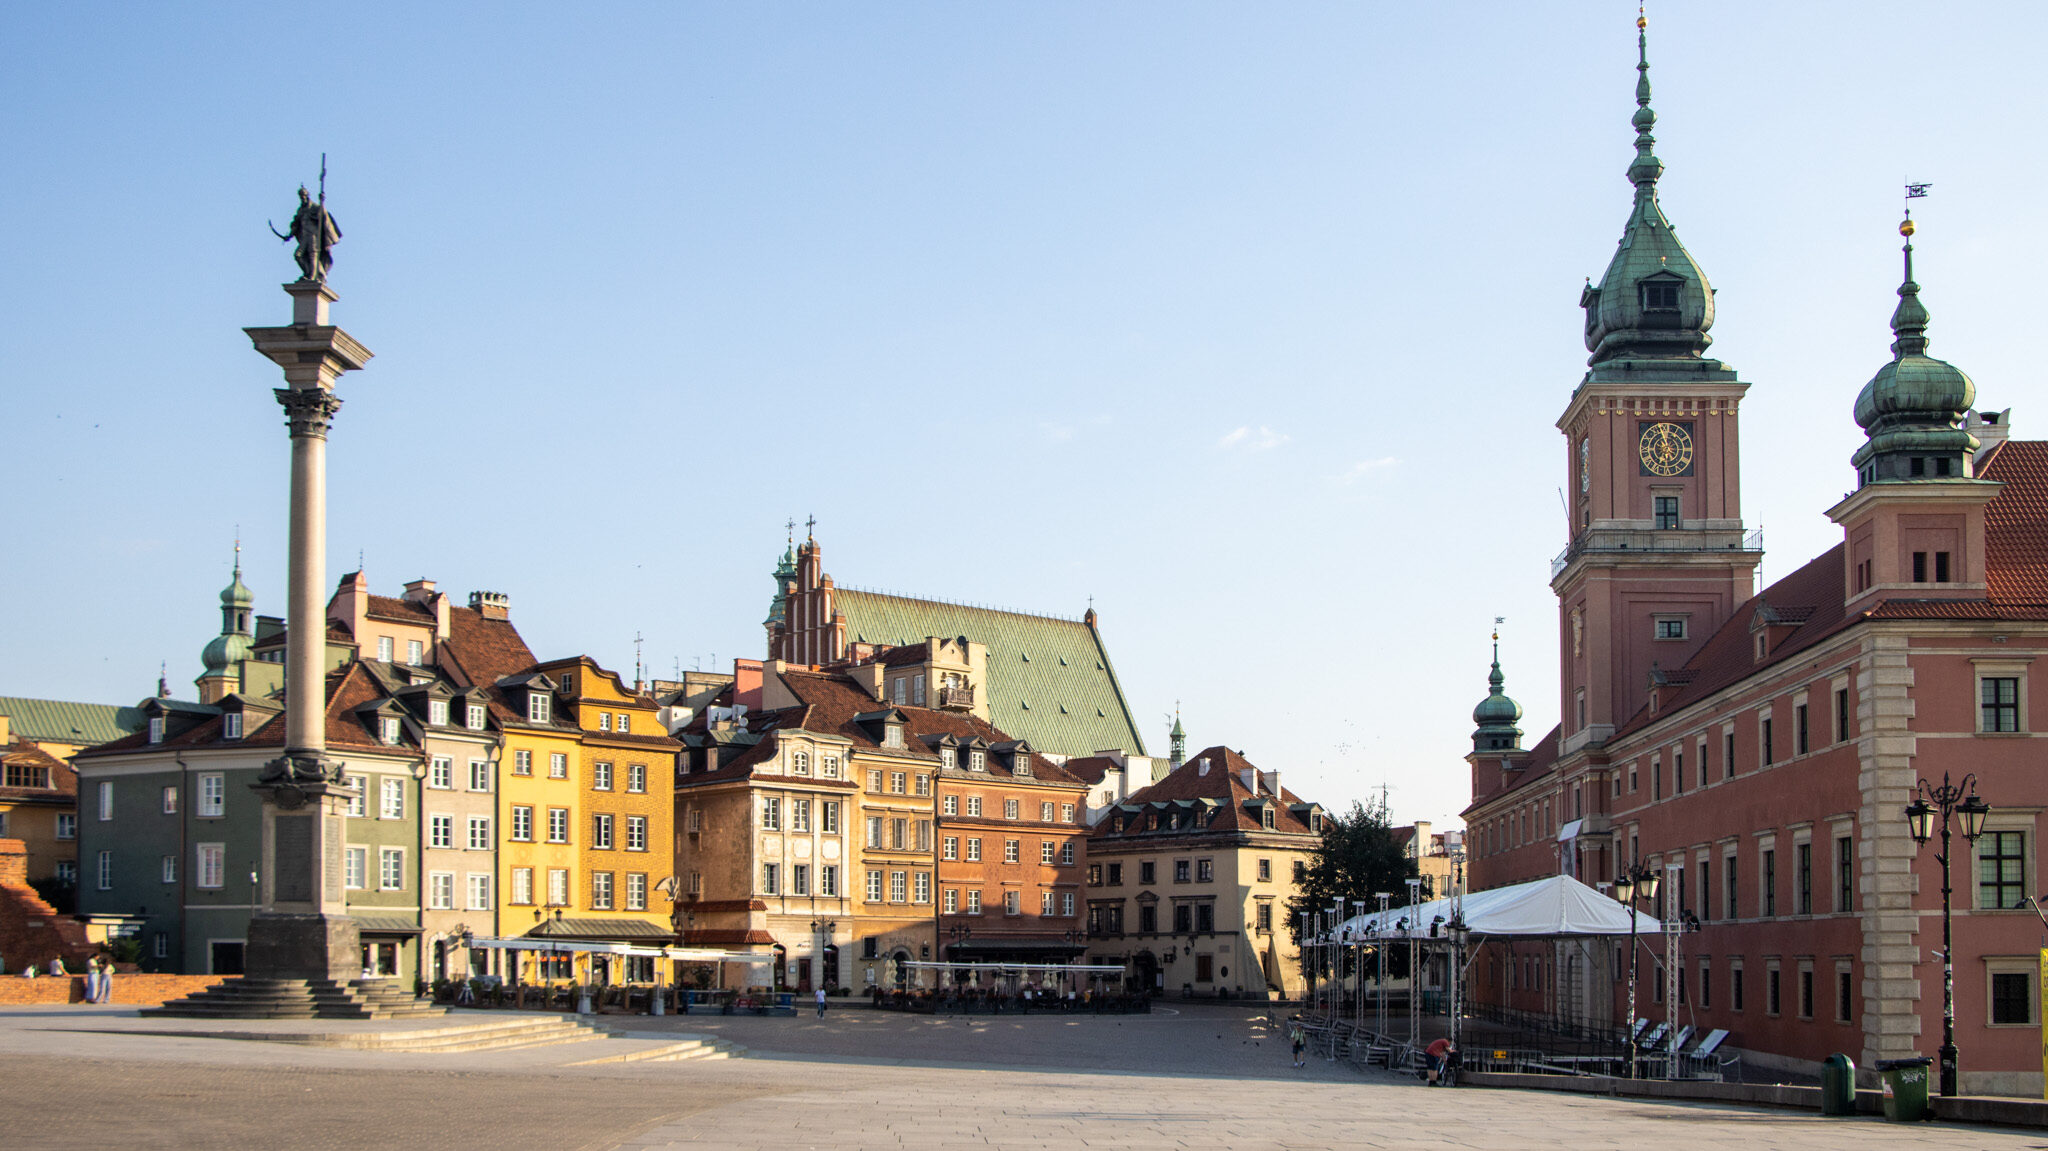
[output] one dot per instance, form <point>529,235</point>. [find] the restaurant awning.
<point>1556,906</point>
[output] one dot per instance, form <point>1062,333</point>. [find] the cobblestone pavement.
<point>858,1080</point>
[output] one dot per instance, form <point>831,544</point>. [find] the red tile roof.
<point>2016,522</point>
<point>1090,769</point>
<point>24,753</point>
<point>399,610</point>
<point>1222,781</point>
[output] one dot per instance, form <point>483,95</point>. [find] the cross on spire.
<point>810,525</point>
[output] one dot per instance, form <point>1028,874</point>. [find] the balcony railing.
<point>956,698</point>
<point>1753,542</point>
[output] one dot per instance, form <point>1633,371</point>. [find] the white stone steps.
<point>687,1048</point>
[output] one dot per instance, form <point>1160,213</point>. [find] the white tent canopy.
<point>1559,905</point>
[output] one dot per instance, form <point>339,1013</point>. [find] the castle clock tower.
<point>1658,557</point>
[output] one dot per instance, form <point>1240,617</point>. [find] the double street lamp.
<point>1637,882</point>
<point>1939,803</point>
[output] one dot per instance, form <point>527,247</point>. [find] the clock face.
<point>1666,449</point>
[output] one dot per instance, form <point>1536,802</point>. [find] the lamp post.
<point>1634,883</point>
<point>1960,799</point>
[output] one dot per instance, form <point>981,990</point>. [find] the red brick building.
<point>1759,749</point>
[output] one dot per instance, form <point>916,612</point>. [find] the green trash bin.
<point>1838,1085</point>
<point>1905,1088</point>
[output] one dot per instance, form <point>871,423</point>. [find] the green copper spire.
<point>1653,302</point>
<point>237,636</point>
<point>1496,714</point>
<point>1913,408</point>
<point>785,574</point>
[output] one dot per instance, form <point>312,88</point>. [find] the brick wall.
<point>31,931</point>
<point>140,990</point>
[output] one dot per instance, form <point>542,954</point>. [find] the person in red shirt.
<point>1439,1053</point>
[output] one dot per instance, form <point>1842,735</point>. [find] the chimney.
<point>439,602</point>
<point>13,863</point>
<point>1423,840</point>
<point>418,591</point>
<point>1250,775</point>
<point>1272,781</point>
<point>1202,766</point>
<point>491,604</point>
<point>1990,428</point>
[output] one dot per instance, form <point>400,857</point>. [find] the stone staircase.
<point>685,1047</point>
<point>464,1033</point>
<point>299,999</point>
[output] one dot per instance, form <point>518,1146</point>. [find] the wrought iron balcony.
<point>956,698</point>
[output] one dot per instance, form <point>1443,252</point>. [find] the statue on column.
<point>316,232</point>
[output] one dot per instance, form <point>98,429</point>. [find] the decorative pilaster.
<point>1889,886</point>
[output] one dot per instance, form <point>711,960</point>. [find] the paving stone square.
<point>1185,1079</point>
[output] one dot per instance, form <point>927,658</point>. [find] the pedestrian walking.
<point>821,1003</point>
<point>1298,1039</point>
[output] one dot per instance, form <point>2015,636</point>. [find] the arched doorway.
<point>899,973</point>
<point>781,967</point>
<point>1146,975</point>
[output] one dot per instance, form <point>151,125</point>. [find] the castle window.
<point>1671,628</point>
<point>1919,565</point>
<point>1666,512</point>
<point>1660,296</point>
<point>1940,567</point>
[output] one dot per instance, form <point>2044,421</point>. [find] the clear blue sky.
<point>1252,321</point>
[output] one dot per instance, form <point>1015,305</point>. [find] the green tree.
<point>1358,858</point>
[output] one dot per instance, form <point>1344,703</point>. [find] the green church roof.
<point>1049,680</point>
<point>60,721</point>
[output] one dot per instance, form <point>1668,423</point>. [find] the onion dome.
<point>1654,302</point>
<point>1913,408</point>
<point>1496,715</point>
<point>237,637</point>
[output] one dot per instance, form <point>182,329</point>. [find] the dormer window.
<point>156,729</point>
<point>231,725</point>
<point>437,712</point>
<point>476,717</point>
<point>977,760</point>
<point>1266,817</point>
<point>1020,763</point>
<point>948,757</point>
<point>536,706</point>
<point>1660,295</point>
<point>892,735</point>
<point>387,728</point>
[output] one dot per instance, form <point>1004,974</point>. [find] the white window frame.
<point>636,779</point>
<point>636,891</point>
<point>106,794</point>
<point>830,824</point>
<point>105,871</point>
<point>601,776</point>
<point>479,890</point>
<point>415,652</point>
<point>636,833</point>
<point>771,813</point>
<point>213,795</point>
<point>771,879</point>
<point>558,765</point>
<point>949,848</point>
<point>441,773</point>
<point>828,880</point>
<point>441,832</point>
<point>603,890</point>
<point>355,865</point>
<point>800,815</point>
<point>231,725</point>
<point>601,827</point>
<point>558,887</point>
<point>440,891</point>
<point>522,823</point>
<point>522,762</point>
<point>974,807</point>
<point>1010,809</point>
<point>391,798</point>
<point>921,887</point>
<point>974,849</point>
<point>480,833</point>
<point>480,775</point>
<point>874,885</point>
<point>390,863</point>
<point>384,649</point>
<point>357,786</point>
<point>210,866</point>
<point>170,869</point>
<point>536,706</point>
<point>558,825</point>
<point>522,886</point>
<point>474,714</point>
<point>437,712</point>
<point>974,901</point>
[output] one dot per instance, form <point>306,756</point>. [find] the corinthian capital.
<point>308,411</point>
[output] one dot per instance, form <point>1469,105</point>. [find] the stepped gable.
<point>31,931</point>
<point>832,701</point>
<point>1223,782</point>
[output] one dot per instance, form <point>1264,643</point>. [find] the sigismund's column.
<point>302,930</point>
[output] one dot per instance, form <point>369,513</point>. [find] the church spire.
<point>1653,302</point>
<point>1912,409</point>
<point>1495,717</point>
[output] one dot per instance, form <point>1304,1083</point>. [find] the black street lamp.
<point>1958,799</point>
<point>1637,882</point>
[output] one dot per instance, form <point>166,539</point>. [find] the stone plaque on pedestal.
<point>292,871</point>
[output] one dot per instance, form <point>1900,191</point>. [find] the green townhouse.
<point>169,829</point>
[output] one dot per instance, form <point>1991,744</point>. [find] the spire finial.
<point>810,529</point>
<point>792,531</point>
<point>238,551</point>
<point>1644,171</point>
<point>163,680</point>
<point>1909,319</point>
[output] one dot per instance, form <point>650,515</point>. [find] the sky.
<point>1251,322</point>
